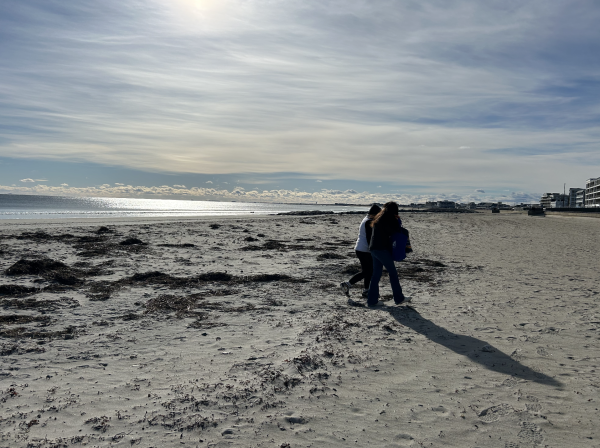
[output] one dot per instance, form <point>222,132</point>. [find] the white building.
<point>592,192</point>
<point>548,200</point>
<point>580,199</point>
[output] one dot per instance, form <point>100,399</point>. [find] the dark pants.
<point>366,265</point>
<point>383,258</point>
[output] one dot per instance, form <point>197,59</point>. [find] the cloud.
<point>243,195</point>
<point>179,186</point>
<point>64,185</point>
<point>209,181</point>
<point>479,191</point>
<point>33,180</point>
<point>318,180</point>
<point>518,84</point>
<point>117,183</point>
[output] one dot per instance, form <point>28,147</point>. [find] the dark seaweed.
<point>16,290</point>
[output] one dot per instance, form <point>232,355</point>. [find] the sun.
<point>203,7</point>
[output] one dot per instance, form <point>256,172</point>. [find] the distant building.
<point>573,196</point>
<point>548,200</point>
<point>445,204</point>
<point>580,199</point>
<point>592,192</point>
<point>562,201</point>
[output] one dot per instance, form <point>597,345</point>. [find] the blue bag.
<point>399,241</point>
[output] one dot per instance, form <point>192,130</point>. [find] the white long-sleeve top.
<point>364,235</point>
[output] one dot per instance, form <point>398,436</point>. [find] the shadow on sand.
<point>489,357</point>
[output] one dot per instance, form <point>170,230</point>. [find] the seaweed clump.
<point>35,267</point>
<point>16,290</point>
<point>329,256</point>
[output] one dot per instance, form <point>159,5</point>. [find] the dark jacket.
<point>382,233</point>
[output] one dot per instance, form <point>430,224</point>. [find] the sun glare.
<point>209,14</point>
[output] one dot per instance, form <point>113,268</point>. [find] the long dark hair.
<point>374,210</point>
<point>387,214</point>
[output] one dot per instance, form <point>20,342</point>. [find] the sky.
<point>299,101</point>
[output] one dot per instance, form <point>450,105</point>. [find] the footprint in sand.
<point>440,409</point>
<point>494,413</point>
<point>533,407</point>
<point>531,433</point>
<point>510,382</point>
<point>404,440</point>
<point>542,352</point>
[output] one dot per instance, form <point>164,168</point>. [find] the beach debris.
<point>45,305</point>
<point>131,241</point>
<point>14,319</point>
<point>329,256</point>
<point>22,332</point>
<point>64,277</point>
<point>15,348</point>
<point>99,423</point>
<point>297,420</point>
<point>131,316</point>
<point>273,278</point>
<point>307,363</point>
<point>103,230</point>
<point>35,267</point>
<point>175,422</point>
<point>50,270</point>
<point>168,303</point>
<point>307,213</point>
<point>214,226</point>
<point>101,291</point>
<point>269,245</point>
<point>16,290</point>
<point>183,245</point>
<point>352,269</point>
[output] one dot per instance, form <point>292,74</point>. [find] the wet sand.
<point>233,332</point>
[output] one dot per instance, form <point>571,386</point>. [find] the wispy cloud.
<point>453,92</point>
<point>33,180</point>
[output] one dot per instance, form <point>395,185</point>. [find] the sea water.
<point>13,206</point>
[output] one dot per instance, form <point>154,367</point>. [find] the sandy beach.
<point>234,333</point>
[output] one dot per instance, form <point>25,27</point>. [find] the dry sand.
<point>236,334</point>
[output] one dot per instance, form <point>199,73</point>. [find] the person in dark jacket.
<point>362,252</point>
<point>385,224</point>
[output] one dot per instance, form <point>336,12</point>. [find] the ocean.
<point>13,206</point>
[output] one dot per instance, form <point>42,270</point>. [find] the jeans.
<point>366,264</point>
<point>383,258</point>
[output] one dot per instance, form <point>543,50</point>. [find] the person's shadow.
<point>474,349</point>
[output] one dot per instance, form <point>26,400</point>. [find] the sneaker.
<point>346,288</point>
<point>365,293</point>
<point>378,304</point>
<point>404,301</point>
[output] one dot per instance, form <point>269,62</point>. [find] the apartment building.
<point>580,199</point>
<point>548,200</point>
<point>573,192</point>
<point>592,192</point>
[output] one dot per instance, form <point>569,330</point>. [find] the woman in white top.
<point>363,254</point>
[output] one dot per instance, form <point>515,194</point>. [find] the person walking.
<point>385,224</point>
<point>362,252</point>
